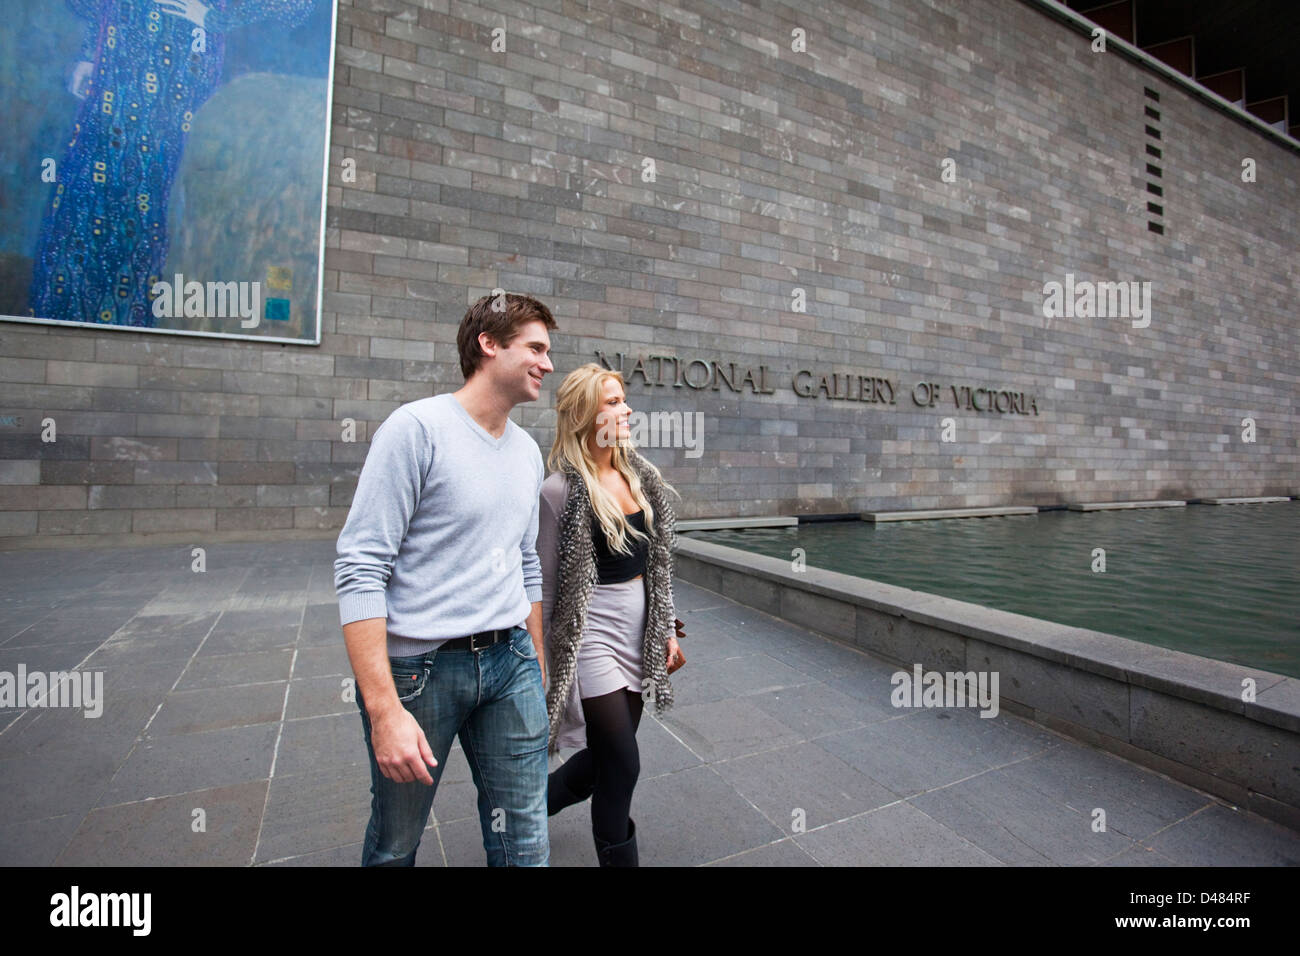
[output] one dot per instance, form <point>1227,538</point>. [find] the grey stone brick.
<point>256,473</point>
<point>176,519</point>
<point>254,519</point>
<point>80,472</point>
<point>175,473</point>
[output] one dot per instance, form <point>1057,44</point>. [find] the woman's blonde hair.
<point>577,402</point>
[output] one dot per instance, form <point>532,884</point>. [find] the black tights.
<point>608,768</point>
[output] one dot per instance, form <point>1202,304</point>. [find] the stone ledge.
<point>1123,505</point>
<point>721,524</point>
<point>1243,501</point>
<point>879,516</point>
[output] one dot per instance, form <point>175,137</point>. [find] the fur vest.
<point>569,574</point>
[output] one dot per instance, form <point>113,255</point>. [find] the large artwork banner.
<point>164,164</point>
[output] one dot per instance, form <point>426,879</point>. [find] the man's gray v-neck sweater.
<point>441,538</point>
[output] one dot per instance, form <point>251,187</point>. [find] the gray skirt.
<point>610,656</point>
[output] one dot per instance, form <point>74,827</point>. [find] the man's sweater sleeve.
<point>387,495</point>
<point>528,548</point>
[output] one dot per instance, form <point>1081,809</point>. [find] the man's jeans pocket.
<point>521,645</point>
<point>410,675</point>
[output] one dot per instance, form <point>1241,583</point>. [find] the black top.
<point>612,567</point>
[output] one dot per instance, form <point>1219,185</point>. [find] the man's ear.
<point>488,344</point>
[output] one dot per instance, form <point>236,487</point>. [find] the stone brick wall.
<point>775,170</point>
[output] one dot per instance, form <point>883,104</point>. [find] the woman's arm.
<point>548,553</point>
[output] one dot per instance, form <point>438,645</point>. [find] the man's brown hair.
<point>501,325</point>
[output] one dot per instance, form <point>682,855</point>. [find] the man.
<point>436,573</point>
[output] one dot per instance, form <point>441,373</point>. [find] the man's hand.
<point>534,627</point>
<point>401,749</point>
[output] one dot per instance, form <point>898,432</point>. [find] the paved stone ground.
<point>223,692</point>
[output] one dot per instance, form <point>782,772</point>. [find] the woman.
<point>605,535</point>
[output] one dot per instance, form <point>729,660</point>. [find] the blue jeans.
<point>492,699</point>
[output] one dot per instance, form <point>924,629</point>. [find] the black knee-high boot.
<point>617,854</point>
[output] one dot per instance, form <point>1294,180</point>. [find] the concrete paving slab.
<point>1222,836</point>
<point>71,627</point>
<point>311,812</point>
<point>231,669</point>
<point>164,766</point>
<point>461,844</point>
<point>781,853</point>
<point>884,752</point>
<point>661,750</point>
<point>36,842</point>
<point>327,660</point>
<point>691,597</point>
<point>728,728</point>
<point>710,644</point>
<point>897,835</point>
<point>348,855</point>
<point>815,709</point>
<point>219,708</point>
<point>315,743</point>
<point>802,786</point>
<point>143,650</point>
<point>570,833</point>
<point>36,784</point>
<point>318,697</point>
<point>320,625</point>
<point>752,674</point>
<point>163,832</point>
<point>718,823</point>
<point>142,678</point>
<point>49,732</point>
<point>1139,855</point>
<point>250,640</point>
<point>695,684</point>
<point>1137,804</point>
<point>1020,826</point>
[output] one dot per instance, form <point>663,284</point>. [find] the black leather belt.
<point>477,642</point>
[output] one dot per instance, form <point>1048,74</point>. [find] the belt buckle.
<point>490,638</point>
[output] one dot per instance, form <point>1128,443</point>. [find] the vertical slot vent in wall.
<point>1155,155</point>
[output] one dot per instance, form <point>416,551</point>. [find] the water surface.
<point>1220,581</point>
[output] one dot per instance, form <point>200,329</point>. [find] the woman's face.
<point>611,424</point>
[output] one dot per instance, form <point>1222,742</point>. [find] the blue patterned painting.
<point>164,164</point>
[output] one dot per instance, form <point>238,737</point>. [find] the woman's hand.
<point>672,650</point>
<point>191,10</point>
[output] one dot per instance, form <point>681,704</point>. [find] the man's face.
<point>518,368</point>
